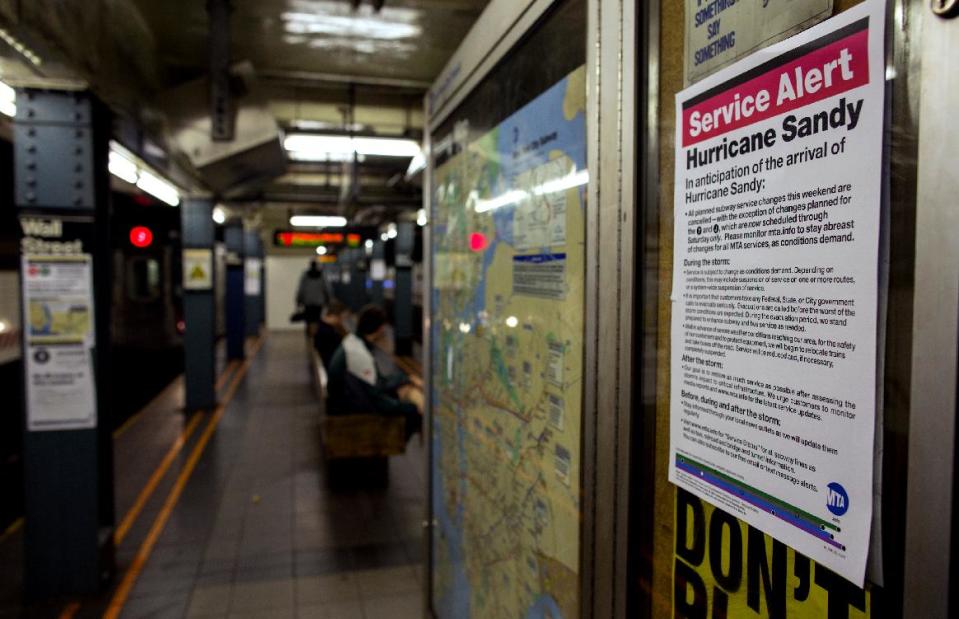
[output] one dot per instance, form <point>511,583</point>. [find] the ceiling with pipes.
<point>405,41</point>
<point>211,92</point>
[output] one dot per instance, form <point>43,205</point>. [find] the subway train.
<point>146,290</point>
<point>145,235</point>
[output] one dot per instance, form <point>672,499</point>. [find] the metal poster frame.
<point>616,100</point>
<point>611,223</point>
<point>931,495</point>
<point>640,467</point>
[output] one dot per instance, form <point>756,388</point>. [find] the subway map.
<point>508,227</point>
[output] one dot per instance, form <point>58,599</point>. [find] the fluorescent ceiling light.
<point>126,166</point>
<point>368,244</point>
<point>317,221</point>
<point>20,47</point>
<point>421,217</point>
<point>328,17</point>
<point>304,124</point>
<point>123,168</point>
<point>312,147</point>
<point>387,147</point>
<point>417,165</point>
<point>8,100</point>
<point>297,155</point>
<point>384,237</point>
<point>219,215</point>
<point>158,188</point>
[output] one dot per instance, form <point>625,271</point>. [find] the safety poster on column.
<point>774,323</point>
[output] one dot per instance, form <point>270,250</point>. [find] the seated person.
<point>356,385</point>
<point>330,330</point>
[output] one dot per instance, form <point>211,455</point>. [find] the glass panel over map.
<point>508,242</point>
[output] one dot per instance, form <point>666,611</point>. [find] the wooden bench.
<point>359,435</point>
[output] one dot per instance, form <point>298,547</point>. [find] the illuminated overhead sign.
<point>295,238</point>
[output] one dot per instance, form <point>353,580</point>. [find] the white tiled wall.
<point>282,278</point>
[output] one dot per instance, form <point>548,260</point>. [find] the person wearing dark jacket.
<point>355,383</point>
<point>330,330</point>
<point>312,294</point>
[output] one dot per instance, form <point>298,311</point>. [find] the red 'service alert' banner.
<point>828,67</point>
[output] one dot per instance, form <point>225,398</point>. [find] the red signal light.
<point>478,241</point>
<point>141,236</point>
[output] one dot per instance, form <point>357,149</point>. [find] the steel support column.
<point>358,277</point>
<point>403,290</point>
<point>199,304</point>
<point>377,257</point>
<point>233,238</point>
<point>253,282</point>
<point>63,200</point>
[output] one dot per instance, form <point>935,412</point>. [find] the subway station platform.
<point>232,513</point>
<point>479,309</point>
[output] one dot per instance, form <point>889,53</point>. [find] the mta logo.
<point>837,501</point>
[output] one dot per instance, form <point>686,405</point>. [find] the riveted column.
<point>62,199</point>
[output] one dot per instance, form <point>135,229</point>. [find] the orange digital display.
<point>308,239</point>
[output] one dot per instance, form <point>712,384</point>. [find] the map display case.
<point>508,181</point>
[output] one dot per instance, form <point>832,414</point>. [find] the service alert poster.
<point>777,211</point>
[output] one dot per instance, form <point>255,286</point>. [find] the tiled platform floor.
<point>259,532</point>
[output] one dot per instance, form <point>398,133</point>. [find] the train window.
<point>143,279</point>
